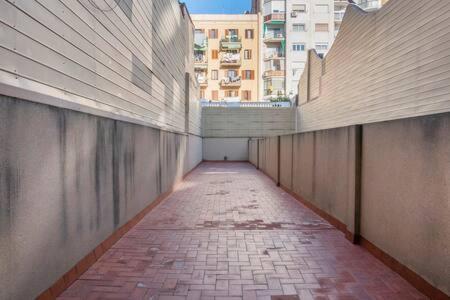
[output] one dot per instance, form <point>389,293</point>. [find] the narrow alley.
<point>227,232</point>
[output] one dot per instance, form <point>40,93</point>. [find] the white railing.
<point>246,104</point>
<point>273,35</point>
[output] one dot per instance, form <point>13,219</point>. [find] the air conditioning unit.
<point>294,14</point>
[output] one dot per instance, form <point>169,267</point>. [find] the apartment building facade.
<point>288,29</point>
<point>226,56</point>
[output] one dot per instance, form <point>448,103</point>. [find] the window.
<point>202,94</point>
<point>213,33</point>
<point>247,54</point>
<point>298,27</point>
<point>322,46</point>
<point>247,95</point>
<point>231,73</point>
<point>214,75</point>
<point>231,32</point>
<point>248,74</point>
<point>299,8</point>
<point>298,47</point>
<point>321,27</point>
<point>215,95</point>
<point>231,93</point>
<point>321,9</point>
<point>249,33</point>
<point>215,54</point>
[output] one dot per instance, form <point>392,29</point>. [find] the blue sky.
<point>217,6</point>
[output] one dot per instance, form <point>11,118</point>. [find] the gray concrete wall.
<point>194,152</point>
<point>406,193</point>
<point>271,157</point>
<point>233,148</point>
<point>405,198</point>
<point>286,162</point>
<point>253,152</point>
<point>68,180</point>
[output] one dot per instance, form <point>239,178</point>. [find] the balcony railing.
<point>272,36</point>
<point>202,80</point>
<point>245,104</point>
<point>201,62</point>
<point>275,18</point>
<point>370,4</point>
<point>274,73</point>
<point>230,60</point>
<point>231,43</point>
<point>274,55</point>
<point>231,82</point>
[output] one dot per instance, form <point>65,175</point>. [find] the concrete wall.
<point>253,152</point>
<point>286,161</point>
<point>398,203</point>
<point>269,157</point>
<point>384,65</point>
<point>67,181</point>
<point>406,193</point>
<point>235,149</point>
<point>247,121</point>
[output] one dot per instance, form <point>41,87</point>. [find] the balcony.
<point>275,18</point>
<point>202,80</point>
<point>230,60</point>
<point>273,56</point>
<point>273,37</point>
<point>230,43</point>
<point>201,62</point>
<point>273,73</point>
<point>369,4</point>
<point>230,82</point>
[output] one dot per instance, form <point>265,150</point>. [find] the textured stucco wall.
<point>406,193</point>
<point>232,148</point>
<point>271,157</point>
<point>253,152</point>
<point>67,181</point>
<point>194,152</point>
<point>286,177</point>
<point>332,175</point>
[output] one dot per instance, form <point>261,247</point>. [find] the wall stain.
<point>62,140</point>
<point>100,167</point>
<point>117,142</point>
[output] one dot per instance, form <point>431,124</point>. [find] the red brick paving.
<point>228,232</point>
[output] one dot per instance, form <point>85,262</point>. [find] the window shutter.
<point>237,32</point>
<point>215,54</point>
<point>243,74</point>
<point>226,32</point>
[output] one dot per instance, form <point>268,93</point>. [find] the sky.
<point>217,6</point>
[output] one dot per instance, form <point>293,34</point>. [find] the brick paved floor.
<point>228,232</point>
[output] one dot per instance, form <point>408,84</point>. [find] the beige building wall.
<point>223,23</point>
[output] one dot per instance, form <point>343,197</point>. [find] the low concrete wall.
<point>270,157</point>
<point>286,153</point>
<point>406,193</point>
<point>234,149</point>
<point>194,152</point>
<point>68,180</point>
<point>386,182</point>
<point>253,152</point>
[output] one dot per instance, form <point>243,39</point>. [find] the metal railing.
<point>273,35</point>
<point>275,17</point>
<point>245,104</point>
